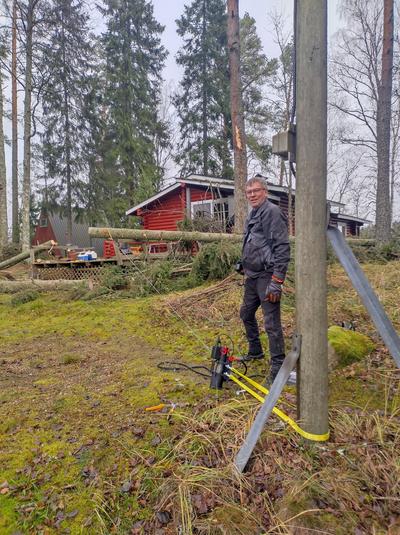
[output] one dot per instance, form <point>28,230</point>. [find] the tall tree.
<point>202,101</point>
<point>134,59</point>
<point>361,71</point>
<point>237,114</point>
<point>3,176</point>
<point>29,20</point>
<point>256,72</point>
<point>67,59</point>
<point>281,99</point>
<point>14,126</point>
<point>383,121</point>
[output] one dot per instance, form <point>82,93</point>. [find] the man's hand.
<point>274,290</point>
<point>239,268</point>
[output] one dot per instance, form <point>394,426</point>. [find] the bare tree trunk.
<point>204,94</point>
<point>394,154</point>
<point>26,184</point>
<point>14,127</point>
<point>161,235</point>
<point>3,178</point>
<point>311,247</point>
<point>67,137</point>
<point>239,136</point>
<point>383,210</point>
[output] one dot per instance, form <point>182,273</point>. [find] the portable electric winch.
<point>221,364</point>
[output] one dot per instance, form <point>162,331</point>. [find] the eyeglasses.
<point>251,191</point>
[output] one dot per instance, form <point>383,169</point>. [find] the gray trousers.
<point>254,295</point>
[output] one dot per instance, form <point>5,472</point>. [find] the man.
<point>265,257</point>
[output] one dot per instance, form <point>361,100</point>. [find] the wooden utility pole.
<point>14,123</point>
<point>383,121</point>
<point>239,136</point>
<point>311,224</point>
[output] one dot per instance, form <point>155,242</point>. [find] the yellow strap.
<point>275,410</point>
<point>253,383</point>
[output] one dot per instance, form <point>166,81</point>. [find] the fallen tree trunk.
<point>26,254</point>
<point>9,287</point>
<point>181,235</point>
<point>161,235</point>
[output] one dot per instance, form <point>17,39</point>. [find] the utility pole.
<point>239,136</point>
<point>311,224</point>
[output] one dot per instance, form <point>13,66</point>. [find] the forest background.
<point>92,125</point>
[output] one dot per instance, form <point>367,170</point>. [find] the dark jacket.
<point>266,242</point>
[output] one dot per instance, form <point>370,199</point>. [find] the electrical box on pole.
<point>284,144</point>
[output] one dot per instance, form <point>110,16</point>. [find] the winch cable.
<point>173,366</point>
<point>173,311</point>
<point>150,282</point>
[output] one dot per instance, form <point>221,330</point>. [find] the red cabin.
<point>213,198</point>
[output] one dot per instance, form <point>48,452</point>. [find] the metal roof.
<point>348,217</point>
<point>80,234</point>
<point>213,182</point>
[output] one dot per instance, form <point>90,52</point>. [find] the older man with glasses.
<point>265,257</point>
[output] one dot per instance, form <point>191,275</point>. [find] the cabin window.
<point>202,209</point>
<point>221,211</point>
<point>217,209</point>
<point>43,222</point>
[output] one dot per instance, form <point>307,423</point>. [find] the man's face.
<point>256,194</point>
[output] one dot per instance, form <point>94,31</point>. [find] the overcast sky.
<point>167,11</point>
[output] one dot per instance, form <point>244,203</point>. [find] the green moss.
<point>8,515</point>
<point>349,345</point>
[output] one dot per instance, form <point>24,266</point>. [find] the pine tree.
<point>202,102</point>
<point>256,71</point>
<point>3,176</point>
<point>67,58</point>
<point>134,59</point>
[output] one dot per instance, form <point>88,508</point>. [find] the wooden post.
<point>311,225</point>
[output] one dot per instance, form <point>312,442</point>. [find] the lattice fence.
<point>94,273</point>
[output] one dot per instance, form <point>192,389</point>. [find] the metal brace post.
<point>270,401</point>
<point>366,293</point>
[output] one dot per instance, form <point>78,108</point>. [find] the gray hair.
<point>258,179</point>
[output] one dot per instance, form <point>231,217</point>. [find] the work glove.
<point>239,268</point>
<point>274,290</point>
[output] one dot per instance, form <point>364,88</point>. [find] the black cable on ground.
<point>173,366</point>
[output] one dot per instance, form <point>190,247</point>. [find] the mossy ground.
<point>81,455</point>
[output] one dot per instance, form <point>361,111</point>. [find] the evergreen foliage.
<point>126,170</point>
<point>202,102</point>
<point>256,71</point>
<point>67,61</point>
<point>215,261</point>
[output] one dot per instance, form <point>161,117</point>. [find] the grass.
<point>79,452</point>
